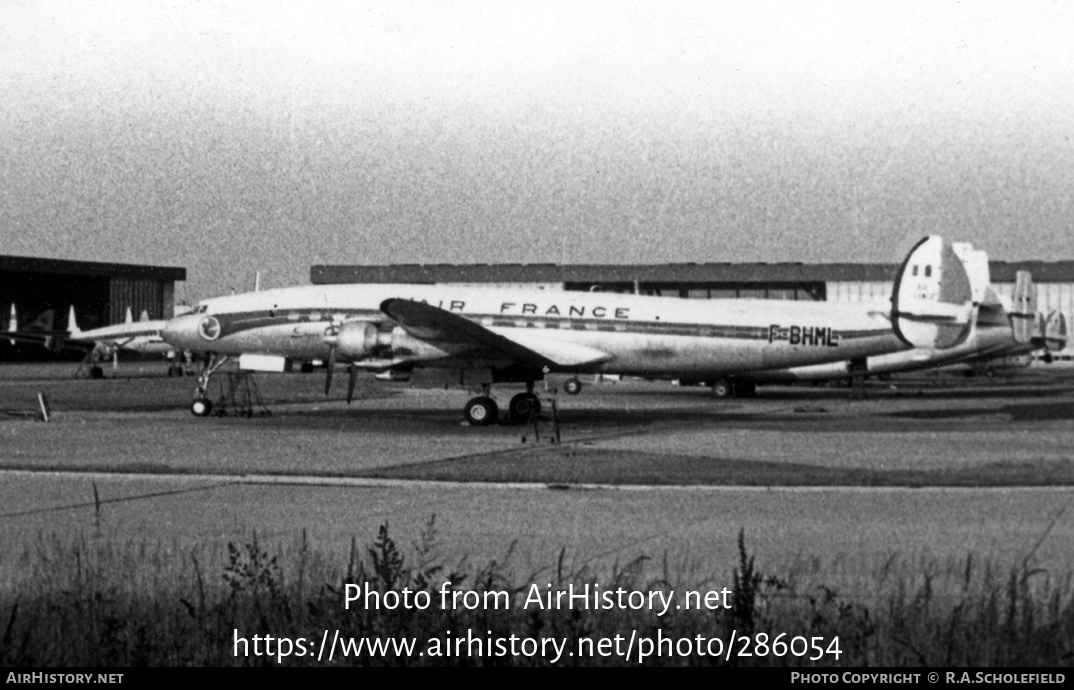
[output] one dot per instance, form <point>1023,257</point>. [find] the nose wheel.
<point>202,406</point>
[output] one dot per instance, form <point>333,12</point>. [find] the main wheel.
<point>481,411</point>
<point>306,368</point>
<point>201,407</point>
<point>721,389</point>
<point>96,373</point>
<point>523,405</point>
<point>572,387</point>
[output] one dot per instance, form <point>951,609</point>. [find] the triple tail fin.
<point>1023,312</point>
<point>975,262</point>
<point>932,303</point>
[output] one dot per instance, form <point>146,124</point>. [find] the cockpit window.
<point>928,271</point>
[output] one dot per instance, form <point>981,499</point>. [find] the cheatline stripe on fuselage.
<point>237,322</point>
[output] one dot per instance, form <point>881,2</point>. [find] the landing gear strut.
<point>202,406</point>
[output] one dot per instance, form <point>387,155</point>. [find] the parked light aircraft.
<point>142,337</point>
<point>37,331</point>
<point>481,336</point>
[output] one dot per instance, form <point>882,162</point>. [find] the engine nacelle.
<point>354,339</point>
<point>406,346</point>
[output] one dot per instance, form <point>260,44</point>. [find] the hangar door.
<point>139,295</point>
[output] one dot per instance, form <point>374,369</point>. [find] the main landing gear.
<point>724,388</point>
<point>202,406</point>
<point>483,410</point>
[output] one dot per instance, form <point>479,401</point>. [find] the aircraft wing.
<point>54,341</point>
<point>439,327</point>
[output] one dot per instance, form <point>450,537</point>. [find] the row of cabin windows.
<point>928,271</point>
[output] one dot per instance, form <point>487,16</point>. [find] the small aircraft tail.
<point>72,323</point>
<point>1055,331</point>
<point>43,322</point>
<point>1023,313</point>
<point>932,303</point>
<point>12,323</point>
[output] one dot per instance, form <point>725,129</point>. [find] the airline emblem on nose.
<point>209,328</point>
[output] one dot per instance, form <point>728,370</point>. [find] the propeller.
<point>331,338</point>
<point>331,368</point>
<point>352,378</point>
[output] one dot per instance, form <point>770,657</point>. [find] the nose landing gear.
<point>202,406</point>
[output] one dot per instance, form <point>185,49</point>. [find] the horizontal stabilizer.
<point>932,303</point>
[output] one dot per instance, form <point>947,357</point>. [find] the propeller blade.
<point>331,369</point>
<point>351,380</point>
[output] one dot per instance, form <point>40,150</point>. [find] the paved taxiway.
<point>171,478</point>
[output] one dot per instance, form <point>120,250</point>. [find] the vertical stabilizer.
<point>129,318</point>
<point>72,323</point>
<point>12,323</point>
<point>144,317</point>
<point>43,322</point>
<point>1055,331</point>
<point>932,303</point>
<point>1023,311</point>
<point>975,263</point>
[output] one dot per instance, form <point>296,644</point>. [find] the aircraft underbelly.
<point>679,355</point>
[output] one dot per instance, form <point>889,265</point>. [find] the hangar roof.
<point>27,264</point>
<point>1002,272</point>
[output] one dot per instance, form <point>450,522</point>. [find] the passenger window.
<point>928,271</point>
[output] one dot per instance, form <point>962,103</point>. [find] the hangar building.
<point>842,282</point>
<point>99,292</point>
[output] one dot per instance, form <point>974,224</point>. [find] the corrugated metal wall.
<point>859,292</point>
<point>139,295</point>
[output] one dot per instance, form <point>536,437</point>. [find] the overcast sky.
<point>234,137</point>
